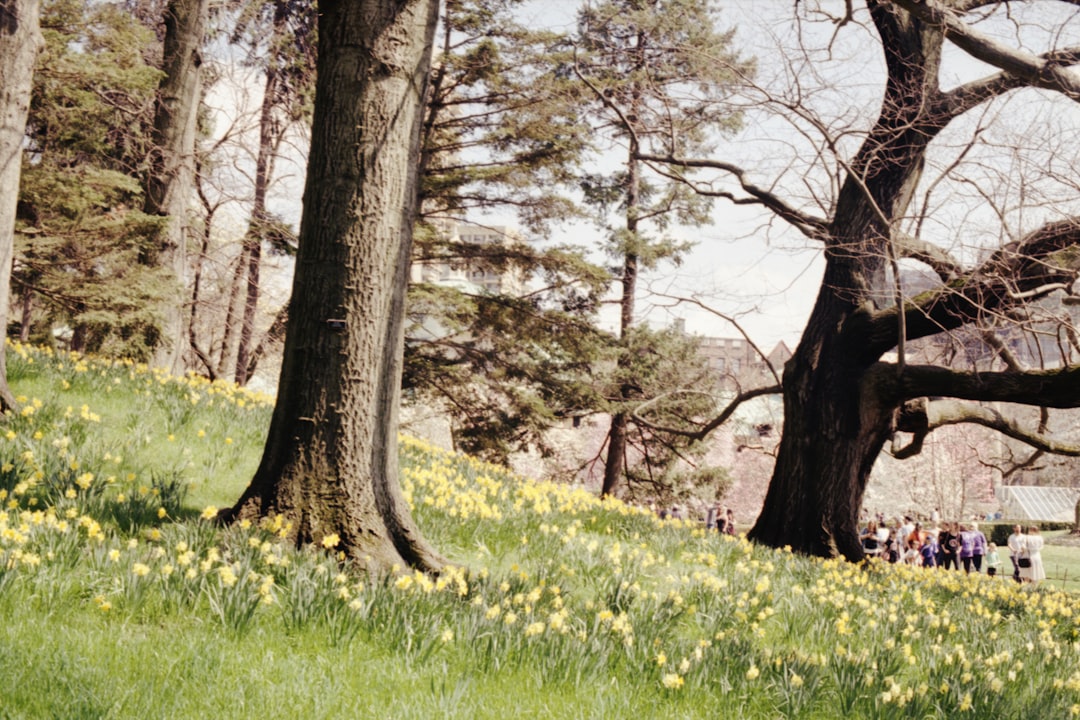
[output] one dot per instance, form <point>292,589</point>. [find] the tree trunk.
<point>20,41</point>
<point>253,253</point>
<point>27,318</point>
<point>169,182</point>
<point>836,419</point>
<point>209,210</point>
<point>229,333</point>
<point>330,462</point>
<point>837,410</point>
<point>274,334</point>
<point>615,461</point>
<point>269,134</point>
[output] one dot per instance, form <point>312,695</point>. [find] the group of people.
<point>1025,551</point>
<point>720,519</point>
<point>954,545</point>
<point>717,517</point>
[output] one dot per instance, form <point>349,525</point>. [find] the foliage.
<point>503,130</point>
<point>502,134</point>
<point>87,137</point>
<point>660,367</point>
<point>660,75</point>
<point>506,367</point>
<point>553,594</point>
<point>639,59</point>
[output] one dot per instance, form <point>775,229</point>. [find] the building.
<point>1025,503</point>
<point>469,275</point>
<point>740,362</point>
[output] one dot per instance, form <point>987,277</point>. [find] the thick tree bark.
<point>20,42</point>
<point>837,415</point>
<point>330,462</point>
<point>169,182</point>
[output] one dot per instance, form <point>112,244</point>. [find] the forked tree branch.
<point>922,417</point>
<point>936,258</point>
<point>702,432</point>
<point>813,227</point>
<point>1050,72</point>
<point>1013,275</point>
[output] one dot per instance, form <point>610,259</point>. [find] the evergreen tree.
<point>81,232</point>
<point>503,134</point>
<point>666,371</point>
<point>659,72</point>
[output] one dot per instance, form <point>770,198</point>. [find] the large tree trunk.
<point>169,182</point>
<point>20,41</point>
<point>330,462</point>
<point>837,412</point>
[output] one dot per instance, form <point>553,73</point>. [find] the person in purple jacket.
<point>967,546</point>
<point>979,548</point>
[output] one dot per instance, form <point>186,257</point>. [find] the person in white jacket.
<point>1015,544</point>
<point>1032,550</point>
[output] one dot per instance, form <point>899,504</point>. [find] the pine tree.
<point>81,232</point>
<point>502,134</point>
<point>659,72</point>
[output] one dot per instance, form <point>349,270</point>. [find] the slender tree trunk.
<point>615,461</point>
<point>209,210</point>
<point>330,462</point>
<point>20,41</point>
<point>228,340</point>
<point>275,333</point>
<point>251,303</point>
<point>269,132</point>
<point>169,182</point>
<point>838,409</point>
<point>27,317</point>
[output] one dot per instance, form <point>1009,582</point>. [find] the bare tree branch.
<point>813,227</point>
<point>1049,72</point>
<point>924,417</point>
<point>704,430</point>
<point>1014,274</point>
<point>1057,388</point>
<point>936,258</point>
<point>727,318</point>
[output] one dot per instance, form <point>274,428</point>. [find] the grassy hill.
<point>120,600</point>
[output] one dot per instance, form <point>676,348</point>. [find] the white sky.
<point>745,264</point>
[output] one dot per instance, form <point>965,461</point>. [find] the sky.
<point>753,267</point>
<point>744,265</point>
<point>747,265</point>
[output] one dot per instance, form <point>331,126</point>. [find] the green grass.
<point>119,601</point>
<point>1062,563</point>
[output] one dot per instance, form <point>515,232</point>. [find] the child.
<point>912,556</point>
<point>993,560</point>
<point>929,551</point>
